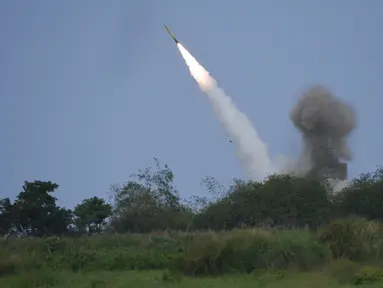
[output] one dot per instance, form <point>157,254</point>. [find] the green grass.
<point>194,254</point>
<point>345,252</point>
<point>103,252</point>
<point>248,250</point>
<point>156,279</point>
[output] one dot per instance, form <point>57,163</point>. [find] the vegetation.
<point>156,279</point>
<point>285,230</point>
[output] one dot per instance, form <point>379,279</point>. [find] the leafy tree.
<point>33,207</point>
<point>59,221</point>
<point>295,201</point>
<point>35,211</point>
<point>282,200</point>
<point>149,201</point>
<point>92,213</point>
<point>363,197</point>
<point>232,207</point>
<point>6,216</point>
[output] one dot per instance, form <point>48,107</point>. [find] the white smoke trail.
<point>250,148</point>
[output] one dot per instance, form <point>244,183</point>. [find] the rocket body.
<point>171,34</point>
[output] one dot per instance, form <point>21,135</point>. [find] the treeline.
<point>150,202</point>
<point>35,213</point>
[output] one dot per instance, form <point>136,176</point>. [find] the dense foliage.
<point>149,201</point>
<point>284,222</point>
<point>342,246</point>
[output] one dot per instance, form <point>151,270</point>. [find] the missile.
<point>171,34</point>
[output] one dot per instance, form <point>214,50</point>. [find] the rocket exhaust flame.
<point>204,80</point>
<point>251,150</point>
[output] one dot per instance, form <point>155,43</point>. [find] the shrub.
<point>8,265</point>
<point>36,279</point>
<point>105,252</point>
<point>368,275</point>
<point>353,238</point>
<point>248,250</point>
<point>347,271</point>
<point>202,256</point>
<point>343,270</point>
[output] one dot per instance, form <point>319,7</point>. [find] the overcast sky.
<point>92,90</point>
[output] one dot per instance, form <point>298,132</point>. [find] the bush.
<point>343,270</point>
<point>36,279</point>
<point>8,265</point>
<point>353,238</point>
<point>347,271</point>
<point>368,275</point>
<point>105,252</point>
<point>248,250</point>
<point>201,253</point>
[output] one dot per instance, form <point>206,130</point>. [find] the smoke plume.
<point>250,148</point>
<point>325,123</point>
<point>323,119</point>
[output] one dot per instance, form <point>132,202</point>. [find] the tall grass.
<point>199,253</point>
<point>354,238</point>
<point>104,252</point>
<point>243,251</point>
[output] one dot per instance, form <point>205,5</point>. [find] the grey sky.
<point>92,90</point>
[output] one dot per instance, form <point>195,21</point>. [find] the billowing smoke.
<point>323,119</point>
<point>325,122</point>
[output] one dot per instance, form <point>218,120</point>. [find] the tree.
<point>363,197</point>
<point>6,216</point>
<point>35,211</point>
<point>33,207</point>
<point>237,206</point>
<point>91,214</point>
<point>296,201</point>
<point>149,201</point>
<point>59,221</point>
<point>281,200</point>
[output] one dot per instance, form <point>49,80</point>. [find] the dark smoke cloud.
<point>325,122</point>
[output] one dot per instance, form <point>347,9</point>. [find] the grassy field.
<point>343,254</point>
<point>156,279</point>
